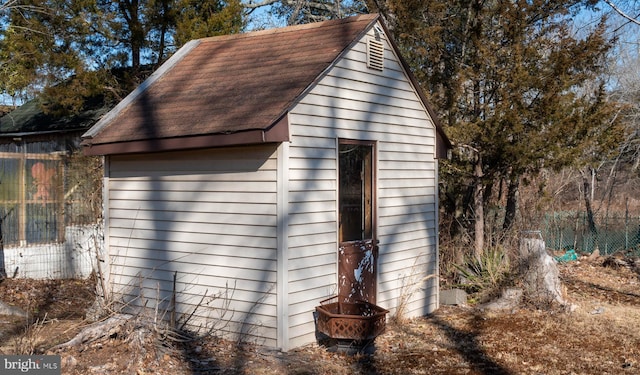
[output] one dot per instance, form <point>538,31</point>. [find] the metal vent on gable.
<point>375,54</point>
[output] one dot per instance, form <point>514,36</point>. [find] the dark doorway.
<point>358,250</point>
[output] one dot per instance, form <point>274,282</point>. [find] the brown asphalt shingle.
<point>232,83</point>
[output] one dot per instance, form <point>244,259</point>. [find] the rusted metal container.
<point>358,320</point>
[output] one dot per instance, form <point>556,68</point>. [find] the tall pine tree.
<point>517,88</point>
<point>46,42</point>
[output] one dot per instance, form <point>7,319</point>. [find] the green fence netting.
<point>614,232</point>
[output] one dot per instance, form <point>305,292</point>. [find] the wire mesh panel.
<point>48,194</point>
<point>31,199</point>
<point>614,232</point>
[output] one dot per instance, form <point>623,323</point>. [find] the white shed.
<point>274,169</point>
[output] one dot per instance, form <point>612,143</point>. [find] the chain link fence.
<point>618,232</point>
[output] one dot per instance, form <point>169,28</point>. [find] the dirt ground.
<point>601,336</point>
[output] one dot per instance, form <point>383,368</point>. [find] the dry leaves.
<point>454,340</point>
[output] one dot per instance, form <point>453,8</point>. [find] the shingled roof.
<point>30,119</point>
<point>226,90</point>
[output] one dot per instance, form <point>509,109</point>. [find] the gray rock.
<point>510,299</point>
<point>6,309</point>
<point>456,297</point>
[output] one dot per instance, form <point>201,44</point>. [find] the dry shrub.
<point>33,336</point>
<point>484,276</point>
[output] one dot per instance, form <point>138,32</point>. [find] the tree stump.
<point>539,272</point>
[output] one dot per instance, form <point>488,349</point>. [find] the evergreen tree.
<point>199,19</point>
<point>137,32</point>
<point>36,46</point>
<point>517,89</point>
<point>46,42</point>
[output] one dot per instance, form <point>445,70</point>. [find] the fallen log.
<point>96,331</point>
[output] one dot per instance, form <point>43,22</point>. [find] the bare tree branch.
<point>253,5</point>
<point>8,4</point>
<point>13,4</point>
<point>621,12</point>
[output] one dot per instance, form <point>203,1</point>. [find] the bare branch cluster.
<point>622,13</point>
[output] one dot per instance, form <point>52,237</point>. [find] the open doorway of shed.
<point>358,250</point>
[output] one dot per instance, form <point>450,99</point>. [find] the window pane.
<point>42,225</point>
<point>9,200</point>
<point>43,199</point>
<point>42,180</point>
<point>9,224</point>
<point>355,193</point>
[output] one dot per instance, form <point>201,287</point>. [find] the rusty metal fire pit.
<point>358,320</point>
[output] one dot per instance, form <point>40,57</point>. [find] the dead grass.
<point>600,337</point>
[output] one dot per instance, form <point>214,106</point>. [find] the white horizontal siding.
<point>208,217</point>
<point>368,92</point>
<point>317,113</point>
<point>357,102</point>
<point>312,231</point>
<point>177,196</point>
<point>354,102</point>
<point>137,214</point>
<point>258,229</point>
<point>159,186</point>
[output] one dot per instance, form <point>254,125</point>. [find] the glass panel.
<point>32,191</point>
<point>355,192</point>
<point>9,200</point>
<point>9,229</point>
<point>43,197</point>
<point>42,225</point>
<point>41,180</point>
<point>9,180</point>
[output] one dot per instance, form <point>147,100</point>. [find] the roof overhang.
<point>278,132</point>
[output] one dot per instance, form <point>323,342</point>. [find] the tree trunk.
<point>512,203</point>
<point>163,31</point>
<point>587,204</point>
<point>491,217</point>
<point>130,11</point>
<point>164,26</point>
<point>478,208</point>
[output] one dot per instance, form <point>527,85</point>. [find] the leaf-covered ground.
<point>600,336</point>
